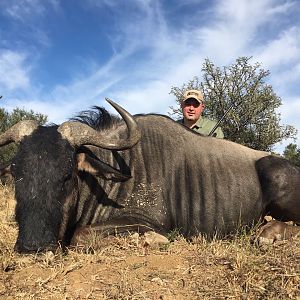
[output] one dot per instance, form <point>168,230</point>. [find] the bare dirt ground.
<point>123,268</point>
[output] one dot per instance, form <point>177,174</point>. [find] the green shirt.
<point>205,125</point>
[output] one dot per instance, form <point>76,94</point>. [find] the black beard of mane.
<point>98,118</point>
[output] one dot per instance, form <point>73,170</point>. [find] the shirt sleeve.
<point>219,132</point>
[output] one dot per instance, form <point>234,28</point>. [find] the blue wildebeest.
<point>140,173</point>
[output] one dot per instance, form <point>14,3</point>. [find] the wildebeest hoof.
<point>276,231</point>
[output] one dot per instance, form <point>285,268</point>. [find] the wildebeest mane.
<point>98,118</point>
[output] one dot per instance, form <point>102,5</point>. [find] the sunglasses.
<point>192,102</point>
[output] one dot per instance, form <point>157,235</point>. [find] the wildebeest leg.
<point>120,226</point>
<point>280,183</point>
<point>276,231</point>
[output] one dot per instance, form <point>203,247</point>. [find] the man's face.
<point>192,109</point>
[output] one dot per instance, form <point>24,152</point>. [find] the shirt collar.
<point>199,123</point>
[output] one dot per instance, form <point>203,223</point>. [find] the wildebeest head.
<point>45,171</point>
<point>42,170</point>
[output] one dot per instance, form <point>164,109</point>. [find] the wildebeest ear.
<point>99,168</point>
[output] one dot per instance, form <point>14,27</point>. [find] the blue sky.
<point>59,57</point>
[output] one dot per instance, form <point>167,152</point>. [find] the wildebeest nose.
<point>23,248</point>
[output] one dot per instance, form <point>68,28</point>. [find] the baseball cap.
<point>195,94</point>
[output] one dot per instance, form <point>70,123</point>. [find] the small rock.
<point>49,258</point>
<point>268,218</point>
<point>154,239</point>
<point>158,280</point>
<point>134,238</point>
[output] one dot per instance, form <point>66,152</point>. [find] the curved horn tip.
<point>122,111</point>
<point>111,102</point>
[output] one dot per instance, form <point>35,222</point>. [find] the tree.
<point>292,153</point>
<point>253,120</point>
<point>9,119</point>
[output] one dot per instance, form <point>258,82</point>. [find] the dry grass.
<point>121,268</point>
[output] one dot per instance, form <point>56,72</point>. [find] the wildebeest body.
<point>178,184</point>
<point>172,178</point>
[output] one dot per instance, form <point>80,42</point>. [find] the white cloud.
<point>253,13</point>
<point>24,23</point>
<point>21,10</point>
<point>14,74</point>
<point>290,115</point>
<point>51,109</point>
<point>283,8</point>
<point>103,3</point>
<point>152,97</point>
<point>66,100</point>
<point>282,50</point>
<point>289,112</point>
<point>282,57</point>
<point>291,109</point>
<point>234,28</point>
<point>26,9</point>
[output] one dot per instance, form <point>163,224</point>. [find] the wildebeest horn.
<point>81,134</point>
<point>18,131</point>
